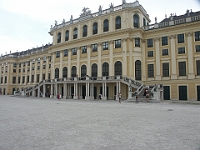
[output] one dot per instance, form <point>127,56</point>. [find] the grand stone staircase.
<point>131,83</point>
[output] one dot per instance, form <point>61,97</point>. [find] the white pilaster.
<point>173,57</point>
<point>190,56</point>
<point>99,61</point>
<point>144,76</point>
<point>111,69</point>
<point>157,51</point>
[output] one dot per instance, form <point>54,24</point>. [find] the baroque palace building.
<point>112,51</point>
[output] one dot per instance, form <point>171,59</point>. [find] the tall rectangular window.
<point>164,40</point>
<point>74,51</point>
<point>164,52</point>
<point>43,76</point>
<point>118,43</point>
<point>197,48</point>
<point>23,79</point>
<point>65,52</point>
<point>38,77</point>
<point>27,79</point>
<point>149,42</point>
<point>14,80</point>
<point>197,36</point>
<point>137,42</point>
<point>84,49</point>
<point>32,78</point>
<point>57,54</point>
<point>14,65</point>
<point>94,47</point>
<point>49,76</point>
<point>150,53</point>
<point>165,69</point>
<point>182,68</point>
<point>180,38</point>
<point>198,67</point>
<point>105,45</point>
<point>18,79</point>
<point>5,79</point>
<point>150,70</point>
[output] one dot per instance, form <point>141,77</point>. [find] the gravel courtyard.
<point>49,124</point>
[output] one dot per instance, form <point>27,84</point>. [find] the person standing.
<point>119,97</point>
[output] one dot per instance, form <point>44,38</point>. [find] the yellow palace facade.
<point>112,51</point>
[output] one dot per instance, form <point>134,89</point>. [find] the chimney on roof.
<point>188,12</point>
<point>171,16</point>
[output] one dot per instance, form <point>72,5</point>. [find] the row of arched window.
<point>95,28</point>
<point>105,70</point>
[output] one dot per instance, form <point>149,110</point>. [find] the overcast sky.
<point>25,24</point>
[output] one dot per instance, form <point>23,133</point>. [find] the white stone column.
<point>41,69</point>
<point>99,60</point>
<point>61,67</point>
<point>157,51</point>
<point>8,75</point>
<point>88,60</point>
<point>173,57</point>
<point>30,75</point>
<point>52,89</point>
<point>26,72</point>
<point>75,91</point>
<point>65,90</point>
<point>55,90</point>
<point>143,65</point>
<point>87,97</point>
<point>4,72</point>
<point>47,68</point>
<point>21,74</point>
<point>190,56</point>
<point>92,91</point>
<point>117,90</point>
<point>35,73</point>
<point>44,89</point>
<point>69,63</point>
<point>111,68</point>
<point>105,93</point>
<point>38,94</point>
<point>124,64</point>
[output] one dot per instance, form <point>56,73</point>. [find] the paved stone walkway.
<point>49,124</point>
